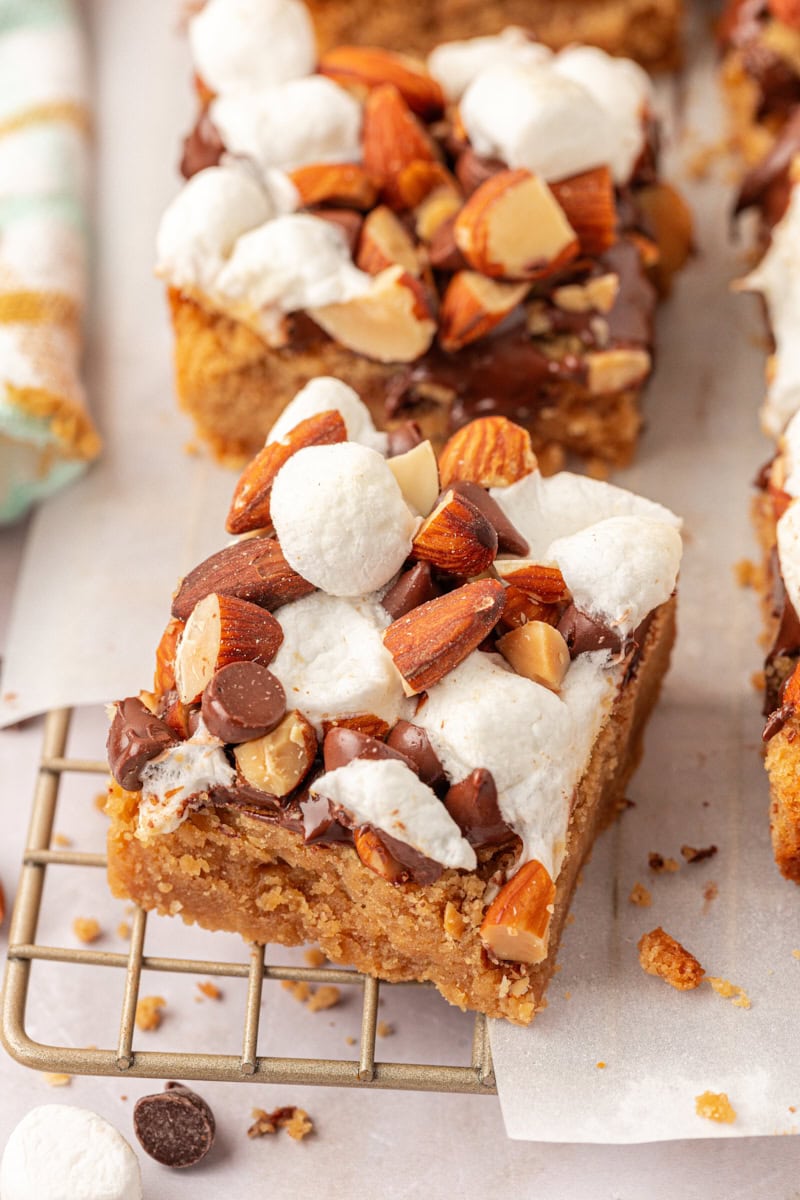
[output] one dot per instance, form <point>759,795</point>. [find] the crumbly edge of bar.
<point>223,869</point>
<point>749,136</point>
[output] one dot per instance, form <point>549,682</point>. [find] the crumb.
<point>100,801</point>
<point>792,1108</point>
<point>597,468</point>
<point>351,1041</point>
<point>796,954</point>
<point>747,573</point>
<point>148,1012</point>
<point>324,997</point>
<point>570,919</point>
<point>567,995</point>
<point>123,1098</point>
<point>660,954</point>
<point>209,990</point>
<point>314,957</point>
<point>298,988</point>
<point>601,1066</point>
<point>86,929</point>
<point>715,1106</point>
<point>729,991</point>
<point>640,896</point>
<point>57,1079</point>
<point>385,1029</point>
<point>295,1121</point>
<point>124,930</point>
<point>61,839</point>
<point>692,855</point>
<point>758,681</point>
<point>660,865</point>
<point>710,892</point>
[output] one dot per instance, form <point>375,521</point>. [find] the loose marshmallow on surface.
<point>305,121</point>
<point>62,1153</point>
<point>389,796</point>
<point>171,780</point>
<point>455,64</point>
<point>341,519</point>
<point>322,395</point>
<point>332,661</point>
<point>789,552</point>
<point>242,44</point>
<point>620,569</point>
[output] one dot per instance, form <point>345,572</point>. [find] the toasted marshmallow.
<point>341,518</point>
<point>238,45</point>
<point>324,394</point>
<point>176,777</point>
<point>455,64</point>
<point>58,1152</point>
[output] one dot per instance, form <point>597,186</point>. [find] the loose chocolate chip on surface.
<point>412,742</point>
<point>472,804</point>
<point>135,737</point>
<point>509,538</point>
<point>175,1127</point>
<point>414,587</point>
<point>243,701</point>
<point>342,745</point>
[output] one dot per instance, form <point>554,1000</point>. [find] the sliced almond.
<point>385,242</point>
<point>279,761</point>
<point>538,652</point>
<point>434,638</point>
<point>366,723</point>
<point>222,630</point>
<point>345,184</point>
<point>373,854</point>
<point>473,305</point>
<point>250,507</point>
<point>589,203</point>
<point>543,583</point>
<point>517,922</point>
<point>456,537</point>
<point>520,609</point>
<point>436,208</point>
<point>164,677</point>
<point>393,322</point>
<point>513,227</point>
<point>392,136</point>
<point>614,370</point>
<point>253,569</point>
<point>491,451</point>
<point>417,473</point>
<point>365,67</point>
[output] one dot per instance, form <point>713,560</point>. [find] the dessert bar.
<point>391,717</point>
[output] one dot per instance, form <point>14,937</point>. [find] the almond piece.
<point>417,473</point>
<point>516,925</point>
<point>366,723</point>
<point>473,305</point>
<point>222,630</point>
<point>670,219</point>
<point>393,322</point>
<point>540,582</point>
<point>615,370</point>
<point>520,609</point>
<point>791,689</point>
<point>384,243</point>
<point>596,295</point>
<point>418,179</point>
<point>253,570</point>
<point>491,451</point>
<point>345,184</point>
<point>279,761</point>
<point>513,227</point>
<point>373,854</point>
<point>164,677</point>
<point>436,208</point>
<point>392,136</point>
<point>456,537</point>
<point>365,67</point>
<point>538,652</point>
<point>589,204</point>
<point>251,498</point>
<point>434,638</point>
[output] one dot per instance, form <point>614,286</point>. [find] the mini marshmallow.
<point>341,518</point>
<point>58,1152</point>
<point>243,44</point>
<point>789,552</point>
<point>389,796</point>
<point>455,64</point>
<point>324,394</point>
<point>620,569</point>
<point>172,780</point>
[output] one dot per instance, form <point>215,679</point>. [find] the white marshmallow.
<point>789,552</point>
<point>455,64</point>
<point>389,796</point>
<point>324,394</point>
<point>332,661</point>
<point>620,569</point>
<point>305,121</point>
<point>172,780</point>
<point>58,1152</point>
<point>341,518</point>
<point>242,44</point>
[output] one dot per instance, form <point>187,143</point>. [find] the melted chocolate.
<point>202,148</point>
<point>473,805</point>
<point>767,185</point>
<point>414,587</point>
<point>778,83</point>
<point>136,736</point>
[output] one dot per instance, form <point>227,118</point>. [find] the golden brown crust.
<point>224,869</point>
<point>661,955</point>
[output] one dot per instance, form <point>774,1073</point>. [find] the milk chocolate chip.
<point>243,701</point>
<point>472,804</point>
<point>583,633</point>
<point>509,539</point>
<point>413,588</point>
<point>412,742</point>
<point>342,745</point>
<point>404,438</point>
<point>135,737</point>
<point>175,1127</point>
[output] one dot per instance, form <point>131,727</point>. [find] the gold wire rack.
<point>127,1060</point>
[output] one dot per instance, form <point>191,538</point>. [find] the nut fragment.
<point>366,67</point>
<point>491,451</point>
<point>517,922</point>
<point>279,761</point>
<point>513,227</point>
<point>436,208</point>
<point>417,473</point>
<point>392,137</point>
<point>537,651</point>
<point>590,207</point>
<point>595,295</point>
<point>613,370</point>
<point>385,243</point>
<point>543,583</point>
<point>670,219</point>
<point>374,854</point>
<point>392,322</point>
<point>222,630</point>
<point>164,677</point>
<point>344,184</point>
<point>456,537</point>
<point>520,609</point>
<point>254,570</point>
<point>473,305</point>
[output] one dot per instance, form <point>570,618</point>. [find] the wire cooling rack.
<point>126,1059</point>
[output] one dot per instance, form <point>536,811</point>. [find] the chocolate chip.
<point>342,745</point>
<point>413,588</point>
<point>202,148</point>
<point>404,438</point>
<point>135,737</point>
<point>509,539</point>
<point>412,742</point>
<point>345,219</point>
<point>175,1127</point>
<point>583,633</point>
<point>243,701</point>
<point>472,804</point>
<point>420,868</point>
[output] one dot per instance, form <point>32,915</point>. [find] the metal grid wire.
<point>125,1059</point>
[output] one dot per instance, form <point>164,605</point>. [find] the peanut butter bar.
<point>484,232</point>
<point>391,717</point>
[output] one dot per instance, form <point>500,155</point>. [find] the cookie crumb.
<point>385,1029</point>
<point>298,988</point>
<point>100,801</point>
<point>601,1066</point>
<point>324,997</point>
<point>314,957</point>
<point>660,865</point>
<point>715,1106</point>
<point>124,931</point>
<point>640,896</point>
<point>747,573</point>
<point>710,893</point>
<point>729,991</point>
<point>662,955</point>
<point>796,954</point>
<point>758,681</point>
<point>295,1121</point>
<point>148,1012</point>
<point>693,855</point>
<point>567,995</point>
<point>209,990</point>
<point>86,929</point>
<point>351,1041</point>
<point>57,1079</point>
<point>61,839</point>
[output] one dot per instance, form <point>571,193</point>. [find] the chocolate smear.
<point>136,736</point>
<point>175,1127</point>
<point>243,701</point>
